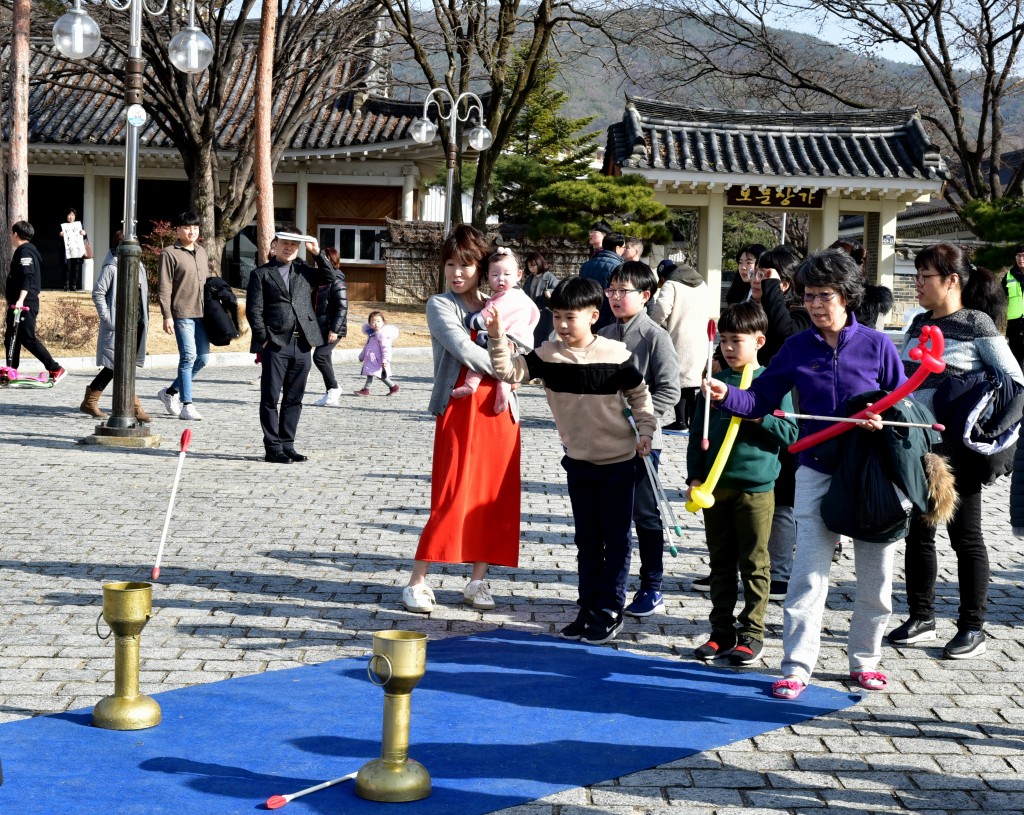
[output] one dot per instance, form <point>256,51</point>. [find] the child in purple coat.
<point>376,354</point>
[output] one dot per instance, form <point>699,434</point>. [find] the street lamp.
<point>77,36</point>
<point>423,131</point>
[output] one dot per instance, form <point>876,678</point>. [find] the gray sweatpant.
<point>808,587</point>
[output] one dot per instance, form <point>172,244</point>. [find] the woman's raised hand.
<point>718,389</point>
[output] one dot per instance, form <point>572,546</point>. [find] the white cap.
<point>294,236</point>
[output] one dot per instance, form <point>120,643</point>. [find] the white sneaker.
<point>330,399</point>
<point>172,402</point>
<point>190,413</point>
<point>418,598</point>
<point>477,595</point>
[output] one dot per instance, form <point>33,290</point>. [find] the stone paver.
<point>269,567</point>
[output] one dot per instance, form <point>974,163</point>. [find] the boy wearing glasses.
<point>586,377</point>
<point>739,522</point>
<point>654,355</point>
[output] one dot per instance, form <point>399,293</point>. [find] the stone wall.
<point>412,253</point>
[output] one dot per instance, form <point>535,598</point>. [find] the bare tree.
<point>469,45</point>
<point>320,52</point>
<point>263,174</point>
<point>965,67</point>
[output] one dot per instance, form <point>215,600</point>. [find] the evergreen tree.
<point>544,147</point>
<point>626,203</point>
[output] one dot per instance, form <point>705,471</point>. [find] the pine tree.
<point>544,147</point>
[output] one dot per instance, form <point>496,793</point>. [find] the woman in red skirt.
<point>474,487</point>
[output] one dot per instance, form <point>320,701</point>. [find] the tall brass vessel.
<point>127,608</point>
<point>398,663</point>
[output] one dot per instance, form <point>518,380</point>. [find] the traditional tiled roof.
<point>88,110</point>
<point>851,144</point>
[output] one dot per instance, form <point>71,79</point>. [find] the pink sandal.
<point>788,688</point>
<point>870,680</point>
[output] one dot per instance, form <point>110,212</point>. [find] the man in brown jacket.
<point>184,268</point>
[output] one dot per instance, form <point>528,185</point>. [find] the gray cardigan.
<point>453,348</point>
<point>654,355</point>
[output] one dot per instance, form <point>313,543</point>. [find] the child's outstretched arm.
<point>507,368</point>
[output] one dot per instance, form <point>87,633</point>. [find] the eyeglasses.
<point>821,297</point>
<point>920,278</point>
<point>618,294</point>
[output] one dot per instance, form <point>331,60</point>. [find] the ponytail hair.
<point>979,288</point>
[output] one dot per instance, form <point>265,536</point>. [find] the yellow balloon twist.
<point>701,497</point>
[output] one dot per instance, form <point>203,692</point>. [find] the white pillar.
<point>830,221</point>
<point>99,226</point>
<point>709,253</point>
<point>823,224</point>
<point>96,240</point>
<point>302,204</point>
<point>410,175</point>
<point>887,244</point>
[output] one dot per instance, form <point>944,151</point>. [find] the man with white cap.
<point>279,306</point>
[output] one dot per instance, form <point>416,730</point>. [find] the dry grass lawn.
<point>66,314</point>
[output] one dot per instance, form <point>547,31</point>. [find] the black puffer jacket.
<point>880,479</point>
<point>220,311</point>
<point>982,412</point>
<point>331,306</point>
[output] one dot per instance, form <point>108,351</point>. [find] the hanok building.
<point>825,165</point>
<point>348,169</point>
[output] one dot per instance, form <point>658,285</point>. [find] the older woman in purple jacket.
<point>828,364</point>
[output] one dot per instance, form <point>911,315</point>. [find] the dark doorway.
<point>157,201</point>
<point>48,198</point>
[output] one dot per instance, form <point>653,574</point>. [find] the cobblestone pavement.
<point>270,567</point>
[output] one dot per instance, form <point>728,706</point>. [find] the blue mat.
<point>499,719</point>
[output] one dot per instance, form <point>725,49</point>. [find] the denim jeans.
<point>193,352</point>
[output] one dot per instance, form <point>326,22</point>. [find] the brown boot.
<point>91,404</point>
<point>140,412</point>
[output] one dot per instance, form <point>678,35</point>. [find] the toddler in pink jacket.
<point>376,354</point>
<point>519,315</point>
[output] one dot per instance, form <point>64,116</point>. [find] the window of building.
<point>354,243</point>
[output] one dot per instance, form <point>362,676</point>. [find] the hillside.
<point>597,86</point>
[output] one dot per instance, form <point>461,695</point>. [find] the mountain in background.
<point>597,87</point>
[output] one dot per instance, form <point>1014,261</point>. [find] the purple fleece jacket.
<point>824,378</point>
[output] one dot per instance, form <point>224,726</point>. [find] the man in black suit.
<point>279,306</point>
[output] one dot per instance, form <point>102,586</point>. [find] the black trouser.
<point>1015,338</point>
<point>285,369</point>
<point>322,360</point>
<point>26,338</point>
<point>686,406</point>
<point>650,530</point>
<point>968,543</point>
<point>602,509</point>
<point>73,274</point>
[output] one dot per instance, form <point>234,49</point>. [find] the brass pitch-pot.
<point>127,607</point>
<point>398,663</point>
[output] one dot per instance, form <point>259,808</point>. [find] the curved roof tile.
<point>845,144</point>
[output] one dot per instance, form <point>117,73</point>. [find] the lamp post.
<point>423,131</point>
<point>77,36</point>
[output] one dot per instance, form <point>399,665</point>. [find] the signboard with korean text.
<point>774,197</point>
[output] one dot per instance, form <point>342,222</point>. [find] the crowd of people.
<point>620,350</point>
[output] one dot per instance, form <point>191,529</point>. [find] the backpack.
<point>220,311</point>
<point>880,480</point>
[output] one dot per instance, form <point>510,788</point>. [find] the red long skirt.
<point>474,483</point>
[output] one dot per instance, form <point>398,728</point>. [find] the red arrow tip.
<point>186,439</point>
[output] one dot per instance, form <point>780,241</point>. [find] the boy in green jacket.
<point>739,522</point>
